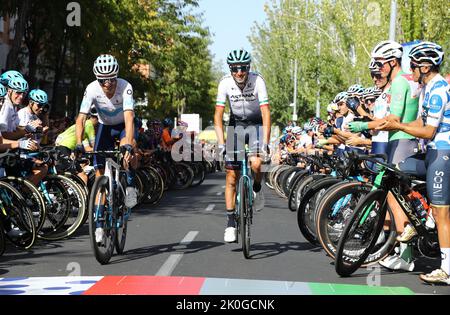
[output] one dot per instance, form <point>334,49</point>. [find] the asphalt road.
<point>183,236</point>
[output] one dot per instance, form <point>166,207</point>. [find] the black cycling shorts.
<point>435,168</point>
<point>237,137</point>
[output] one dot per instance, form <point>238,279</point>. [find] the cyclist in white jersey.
<point>249,117</point>
<point>433,124</point>
<point>113,99</point>
<point>29,115</point>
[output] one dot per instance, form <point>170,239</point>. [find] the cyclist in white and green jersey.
<point>403,108</point>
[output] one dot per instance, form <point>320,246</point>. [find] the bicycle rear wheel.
<point>104,250</point>
<point>245,216</point>
<point>361,233</point>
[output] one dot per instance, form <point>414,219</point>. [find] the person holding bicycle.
<point>249,124</point>
<point>433,124</point>
<point>113,99</point>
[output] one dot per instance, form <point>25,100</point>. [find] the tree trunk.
<point>12,61</point>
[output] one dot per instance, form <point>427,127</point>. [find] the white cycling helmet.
<point>427,53</point>
<point>340,97</point>
<point>355,90</point>
<point>106,67</point>
<point>297,130</point>
<point>388,50</point>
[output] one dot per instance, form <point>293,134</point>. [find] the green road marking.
<point>348,289</point>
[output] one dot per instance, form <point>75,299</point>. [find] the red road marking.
<point>146,285</point>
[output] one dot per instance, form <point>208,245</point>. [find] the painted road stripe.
<point>156,285</point>
<point>210,207</point>
<point>189,238</point>
<point>223,187</point>
<point>219,193</point>
<point>169,265</point>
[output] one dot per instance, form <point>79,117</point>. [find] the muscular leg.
<point>230,189</point>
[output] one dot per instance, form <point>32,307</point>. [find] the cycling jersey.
<point>404,102</point>
<point>9,119</point>
<point>25,116</point>
<point>110,111</point>
<point>68,138</point>
<point>435,101</point>
<point>245,105</point>
<point>381,110</point>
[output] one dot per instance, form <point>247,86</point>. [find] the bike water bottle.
<point>420,205</point>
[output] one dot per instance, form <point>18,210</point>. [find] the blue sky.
<point>230,22</point>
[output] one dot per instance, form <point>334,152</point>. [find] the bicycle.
<point>244,203</point>
<point>108,191</point>
<point>360,236</point>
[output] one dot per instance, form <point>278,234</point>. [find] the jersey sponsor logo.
<point>435,104</point>
<point>129,92</point>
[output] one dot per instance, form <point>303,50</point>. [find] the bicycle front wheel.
<point>100,193</point>
<point>361,233</point>
<point>121,213</point>
<point>245,216</point>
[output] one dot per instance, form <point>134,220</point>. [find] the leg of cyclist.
<point>130,161</point>
<point>398,151</point>
<point>104,141</point>
<point>438,186</point>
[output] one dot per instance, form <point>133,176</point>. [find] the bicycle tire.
<point>2,239</point>
<point>75,202</point>
<point>158,186</point>
<point>244,216</point>
<point>306,212</point>
<point>293,190</point>
<point>348,261</point>
<point>121,214</point>
<point>183,176</point>
<point>18,216</point>
<point>199,174</point>
<point>34,201</point>
<point>103,257</point>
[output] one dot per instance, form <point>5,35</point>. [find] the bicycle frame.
<point>245,178</point>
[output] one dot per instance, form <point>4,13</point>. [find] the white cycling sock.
<point>445,264</point>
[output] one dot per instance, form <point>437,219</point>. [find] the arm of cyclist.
<point>218,124</point>
<point>265,111</point>
<point>79,128</point>
<point>415,128</point>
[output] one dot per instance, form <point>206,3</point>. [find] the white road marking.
<point>210,207</point>
<point>219,193</point>
<point>169,265</point>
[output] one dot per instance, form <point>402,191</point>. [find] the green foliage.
<point>332,41</point>
<point>163,34</point>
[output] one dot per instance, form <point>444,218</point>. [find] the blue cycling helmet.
<point>38,96</point>
<point>167,122</point>
<point>239,56</point>
<point>2,90</point>
<point>8,75</point>
<point>18,84</point>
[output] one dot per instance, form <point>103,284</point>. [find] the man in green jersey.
<point>403,108</point>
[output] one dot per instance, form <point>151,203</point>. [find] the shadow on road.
<point>148,251</point>
<point>270,249</point>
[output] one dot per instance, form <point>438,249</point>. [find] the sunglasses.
<point>104,81</point>
<point>369,100</point>
<point>380,64</point>
<point>244,68</point>
<point>414,66</point>
<point>376,75</point>
<point>39,104</point>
